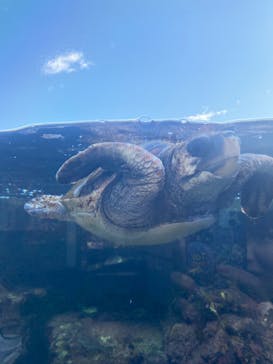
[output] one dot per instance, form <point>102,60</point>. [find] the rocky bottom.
<point>222,326</point>
<point>151,306</point>
<point>229,339</point>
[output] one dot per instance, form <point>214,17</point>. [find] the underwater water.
<point>163,256</point>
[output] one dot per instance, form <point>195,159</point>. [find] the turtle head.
<point>201,169</point>
<point>217,153</point>
<point>47,207</point>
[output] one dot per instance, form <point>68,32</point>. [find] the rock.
<point>246,281</point>
<point>265,312</point>
<point>14,334</point>
<point>181,341</point>
<point>83,340</point>
<point>188,311</point>
<point>184,282</point>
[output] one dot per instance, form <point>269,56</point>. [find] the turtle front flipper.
<point>129,200</point>
<point>255,183</point>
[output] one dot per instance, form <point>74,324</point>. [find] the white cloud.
<point>68,62</point>
<point>205,116</point>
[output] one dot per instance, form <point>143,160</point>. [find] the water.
<point>74,293</point>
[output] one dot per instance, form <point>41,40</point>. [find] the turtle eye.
<point>199,147</point>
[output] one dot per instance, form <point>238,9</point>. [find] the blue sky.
<point>116,59</point>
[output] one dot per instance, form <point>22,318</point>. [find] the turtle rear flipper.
<point>88,184</point>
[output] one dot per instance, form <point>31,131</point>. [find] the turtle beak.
<point>46,207</point>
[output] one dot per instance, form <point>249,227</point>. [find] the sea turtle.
<point>153,194</point>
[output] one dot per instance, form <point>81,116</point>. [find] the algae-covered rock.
<point>83,340</point>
